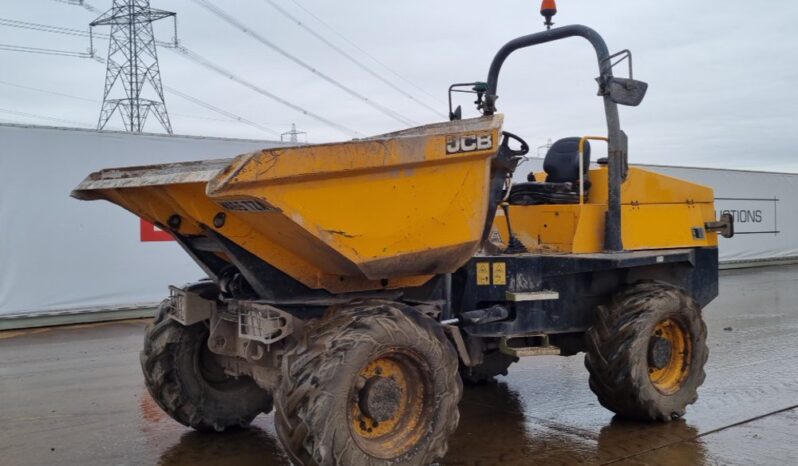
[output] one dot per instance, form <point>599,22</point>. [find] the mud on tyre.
<point>189,385</point>
<point>374,383</point>
<point>646,352</point>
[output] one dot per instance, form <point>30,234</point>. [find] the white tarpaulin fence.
<point>58,253</point>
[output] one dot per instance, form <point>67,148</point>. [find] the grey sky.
<point>722,74</point>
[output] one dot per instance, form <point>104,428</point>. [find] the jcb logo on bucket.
<point>471,143</point>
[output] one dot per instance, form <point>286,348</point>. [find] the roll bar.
<point>618,144</point>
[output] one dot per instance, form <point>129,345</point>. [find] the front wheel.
<point>646,352</point>
<point>374,383</point>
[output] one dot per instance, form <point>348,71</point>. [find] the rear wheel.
<point>374,384</point>
<point>188,383</point>
<point>646,352</point>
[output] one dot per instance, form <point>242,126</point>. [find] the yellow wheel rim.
<point>669,356</point>
<point>390,404</point>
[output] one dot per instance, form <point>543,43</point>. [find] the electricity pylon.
<point>293,135</point>
<point>133,63</point>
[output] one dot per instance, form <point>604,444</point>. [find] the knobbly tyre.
<point>353,286</point>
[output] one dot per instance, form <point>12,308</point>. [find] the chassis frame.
<point>523,304</point>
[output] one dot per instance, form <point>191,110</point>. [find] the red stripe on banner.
<point>150,232</point>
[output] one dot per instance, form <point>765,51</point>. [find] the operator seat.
<point>562,176</point>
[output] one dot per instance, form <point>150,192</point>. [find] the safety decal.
<point>483,273</point>
<point>151,233</point>
<point>499,273</point>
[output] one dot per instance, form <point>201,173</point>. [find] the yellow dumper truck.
<point>353,286</point>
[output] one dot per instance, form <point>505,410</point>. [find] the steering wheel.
<point>514,152</point>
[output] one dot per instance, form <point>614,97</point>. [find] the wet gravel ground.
<point>75,396</point>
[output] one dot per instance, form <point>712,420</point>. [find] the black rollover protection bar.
<point>618,146</point>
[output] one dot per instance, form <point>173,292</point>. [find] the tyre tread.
<point>612,367</point>
<point>308,366</point>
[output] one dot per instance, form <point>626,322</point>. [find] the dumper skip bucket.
<point>385,212</point>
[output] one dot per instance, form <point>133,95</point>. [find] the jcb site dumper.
<point>353,286</point>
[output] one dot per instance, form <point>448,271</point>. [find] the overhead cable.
<point>352,59</point>
<point>43,27</point>
<point>44,117</point>
<point>375,59</point>
<point>43,51</point>
<point>228,115</point>
<point>220,111</point>
<point>45,91</point>
<point>197,59</point>
<point>237,24</point>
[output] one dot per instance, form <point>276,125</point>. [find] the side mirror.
<point>625,91</point>
<point>457,114</point>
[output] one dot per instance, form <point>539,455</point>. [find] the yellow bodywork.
<point>658,212</point>
<point>393,210</point>
<point>385,212</point>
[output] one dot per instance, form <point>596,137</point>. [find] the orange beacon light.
<point>548,9</point>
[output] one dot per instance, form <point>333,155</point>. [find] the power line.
<point>349,57</point>
<point>199,60</point>
<point>220,111</point>
<point>220,70</point>
<point>229,115</point>
<point>43,51</point>
<point>353,44</point>
<point>42,27</point>
<point>43,117</point>
<point>234,22</point>
<point>93,9</point>
<point>44,91</point>
<point>68,31</point>
<point>196,58</point>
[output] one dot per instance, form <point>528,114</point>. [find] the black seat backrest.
<point>562,161</point>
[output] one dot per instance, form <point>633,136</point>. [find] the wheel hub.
<point>669,356</point>
<point>660,351</point>
<point>380,398</point>
<point>391,404</point>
